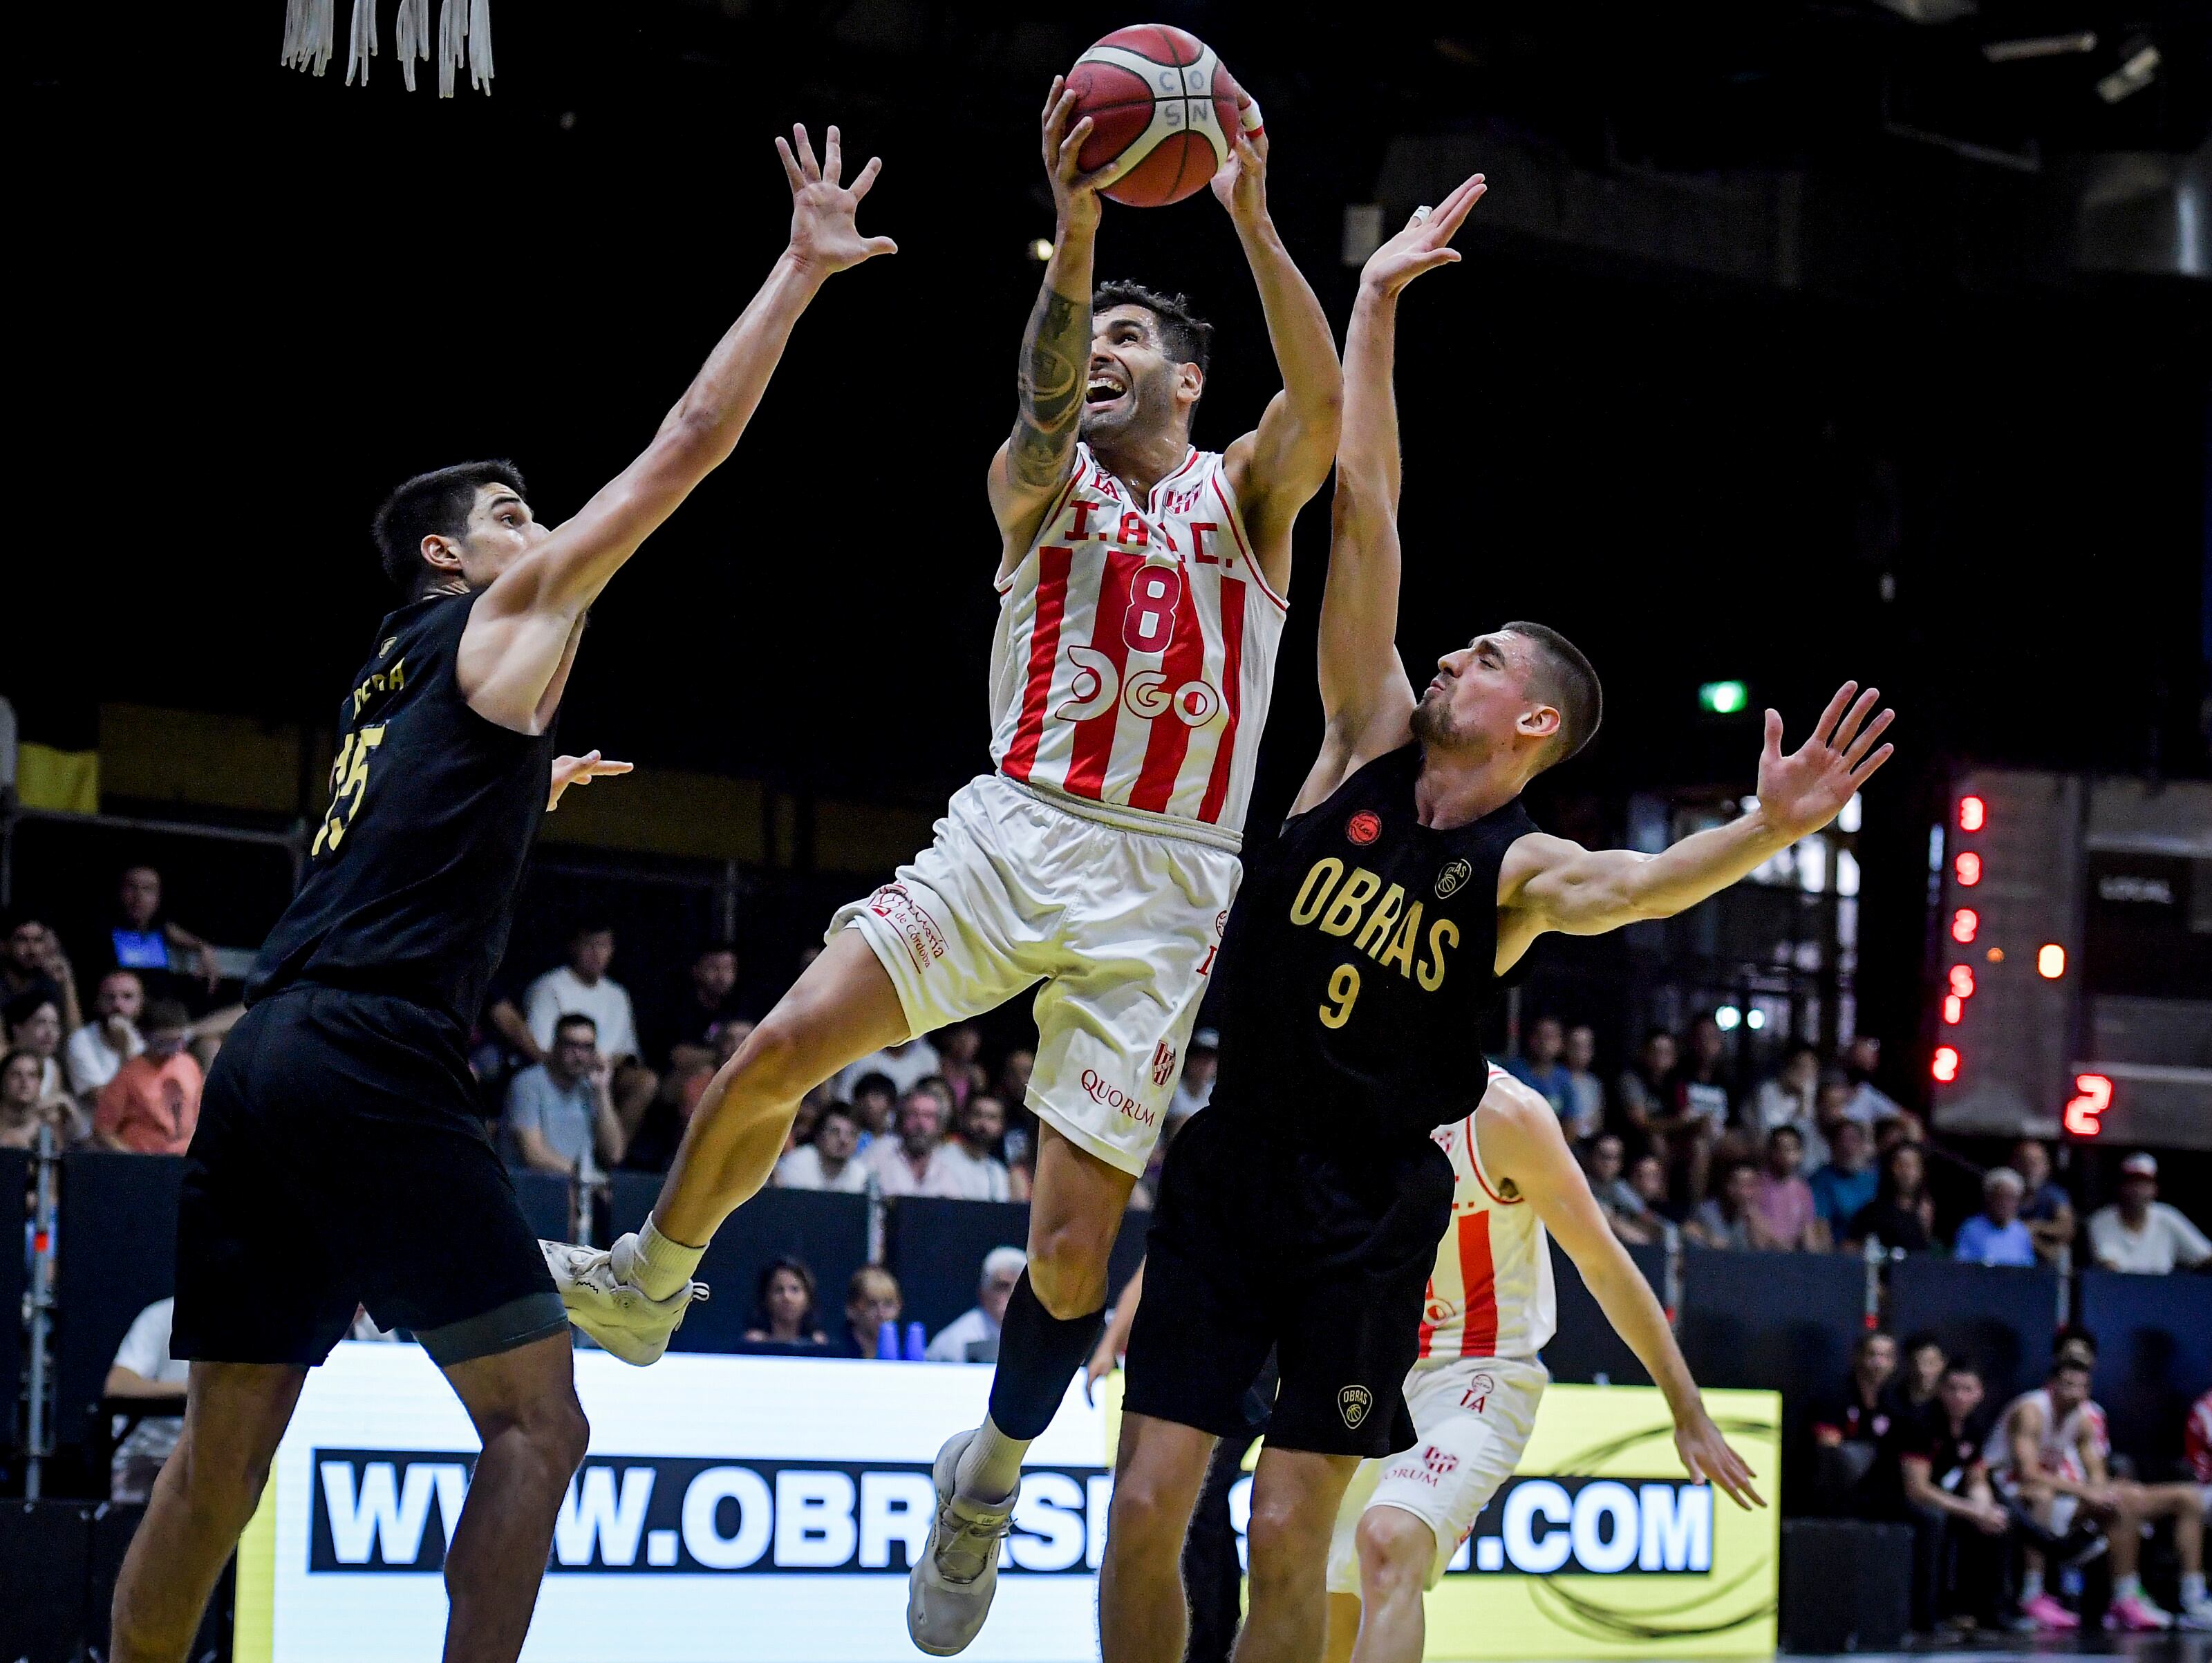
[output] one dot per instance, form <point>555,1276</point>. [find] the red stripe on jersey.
<point>1428,1328</point>
<point>1478,1279</point>
<point>1053,566</point>
<point>1228,514</point>
<point>1094,736</point>
<point>1232,682</point>
<point>1184,663</point>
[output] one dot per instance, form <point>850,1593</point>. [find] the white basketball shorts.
<point>1120,924</point>
<point>1472,1416</point>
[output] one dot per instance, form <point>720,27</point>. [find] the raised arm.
<point>1277,468</point>
<point>521,635</point>
<point>1367,699</point>
<point>1522,1144</point>
<point>1028,470</point>
<point>1550,884</point>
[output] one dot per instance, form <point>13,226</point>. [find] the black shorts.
<point>1255,1246</point>
<point>339,1162</point>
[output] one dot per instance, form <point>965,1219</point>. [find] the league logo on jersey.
<point>1363,828</point>
<point>1449,879</point>
<point>1163,1063</point>
<point>1478,1392</point>
<point>1352,1403</point>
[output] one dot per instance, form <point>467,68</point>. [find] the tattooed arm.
<point>1032,465</point>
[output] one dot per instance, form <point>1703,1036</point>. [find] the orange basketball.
<point>1160,101</point>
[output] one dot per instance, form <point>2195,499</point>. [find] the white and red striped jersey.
<point>1136,650</point>
<point>2196,1439</point>
<point>1490,1293</point>
<point>2062,1443</point>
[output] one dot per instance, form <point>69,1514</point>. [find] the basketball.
<point>1161,101</point>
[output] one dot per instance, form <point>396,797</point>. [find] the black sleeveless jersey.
<point>1356,968</point>
<point>411,880</point>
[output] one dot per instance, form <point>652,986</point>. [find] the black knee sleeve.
<point>1038,1355</point>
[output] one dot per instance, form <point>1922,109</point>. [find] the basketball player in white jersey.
<point>1473,1393</point>
<point>1140,584</point>
<point>1301,1211</point>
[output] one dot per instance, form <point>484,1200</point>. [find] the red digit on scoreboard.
<point>2082,1113</point>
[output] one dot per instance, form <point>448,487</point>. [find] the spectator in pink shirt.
<point>1782,1215</point>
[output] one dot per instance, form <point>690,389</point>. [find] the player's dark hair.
<point>1187,337</point>
<point>576,1019</point>
<point>434,504</point>
<point>1564,680</point>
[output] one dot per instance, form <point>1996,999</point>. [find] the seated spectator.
<point>34,1024</point>
<point>1698,1114</point>
<point>875,1100</point>
<point>972,1153</point>
<point>973,1336</point>
<point>831,1162</point>
<point>170,959</point>
<point>1925,1360</point>
<point>958,1048</point>
<point>1539,1067</point>
<point>1932,1475</point>
<point>560,1112</point>
<point>2139,1232</point>
<point>1831,1101</point>
<point>23,1107</point>
<point>2047,1208</point>
<point>1645,1091</point>
<point>872,1299</point>
<point>153,1103</point>
<point>905,1065</point>
<point>1901,1214</point>
<point>1194,1090</point>
<point>783,1307</point>
<point>2197,1442</point>
<point>1724,1219</point>
<point>916,1160</point>
<point>96,1050</point>
<point>1868,1104</point>
<point>1789,1097</point>
<point>1647,1176</point>
<point>1585,1091</point>
<point>1782,1215</point>
<point>34,962</point>
<point>144,1368</point>
<point>1862,1414</point>
<point>660,1133</point>
<point>582,987</point>
<point>1632,1221</point>
<point>1013,1082</point>
<point>681,1029</point>
<point>1846,1184</point>
<point>1997,1235</point>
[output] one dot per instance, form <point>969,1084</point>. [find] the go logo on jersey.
<point>1098,682</point>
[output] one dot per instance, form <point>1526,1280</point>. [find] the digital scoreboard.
<point>2070,937</point>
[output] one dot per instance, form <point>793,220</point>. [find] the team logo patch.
<point>390,641</point>
<point>1441,1462</point>
<point>1352,1403</point>
<point>1449,879</point>
<point>1162,1064</point>
<point>1363,828</point>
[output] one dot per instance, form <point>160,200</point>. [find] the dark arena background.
<point>1793,343</point>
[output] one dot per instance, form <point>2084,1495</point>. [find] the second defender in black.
<point>339,1160</point>
<point>1302,1209</point>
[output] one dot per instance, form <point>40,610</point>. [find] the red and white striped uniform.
<point>1136,650</point>
<point>2197,1439</point>
<point>1490,1293</point>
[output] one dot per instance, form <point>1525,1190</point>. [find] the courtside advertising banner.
<point>762,1510</point>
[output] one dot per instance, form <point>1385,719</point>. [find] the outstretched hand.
<point>1802,792</point>
<point>825,238</point>
<point>579,771</point>
<point>1709,1459</point>
<point>1240,184</point>
<point>1425,244</point>
<point>1075,204</point>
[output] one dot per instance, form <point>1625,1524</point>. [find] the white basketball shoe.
<point>595,1285</point>
<point>949,1592</point>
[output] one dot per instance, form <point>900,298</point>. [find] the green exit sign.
<point>1722,698</point>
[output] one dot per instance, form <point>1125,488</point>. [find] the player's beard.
<point>1432,723</point>
<point>1131,419</point>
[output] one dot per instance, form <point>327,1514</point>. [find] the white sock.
<point>2192,1587</point>
<point>991,1465</point>
<point>2127,1587</point>
<point>2031,1586</point>
<point>660,1267</point>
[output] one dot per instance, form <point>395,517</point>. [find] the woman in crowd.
<point>1901,1214</point>
<point>784,1310</point>
<point>23,1107</point>
<point>1724,1219</point>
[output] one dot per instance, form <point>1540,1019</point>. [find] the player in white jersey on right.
<point>1473,1393</point>
<point>1140,585</point>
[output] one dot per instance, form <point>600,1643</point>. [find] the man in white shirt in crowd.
<point>561,1113</point>
<point>2141,1233</point>
<point>913,1161</point>
<point>904,1064</point>
<point>972,1153</point>
<point>830,1162</point>
<point>96,1050</point>
<point>973,1336</point>
<point>1869,1104</point>
<point>583,988</point>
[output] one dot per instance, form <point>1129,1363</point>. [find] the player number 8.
<point>1343,992</point>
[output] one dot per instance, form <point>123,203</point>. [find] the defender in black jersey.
<point>339,1160</point>
<point>1301,1211</point>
